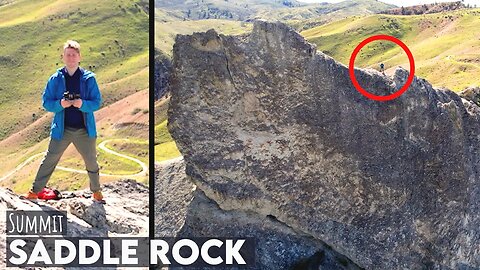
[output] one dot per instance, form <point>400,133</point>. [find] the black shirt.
<point>73,116</point>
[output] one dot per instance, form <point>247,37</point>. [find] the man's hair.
<point>72,44</point>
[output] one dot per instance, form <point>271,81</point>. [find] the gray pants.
<point>85,145</point>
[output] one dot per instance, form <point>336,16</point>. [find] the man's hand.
<point>65,103</point>
<point>77,103</point>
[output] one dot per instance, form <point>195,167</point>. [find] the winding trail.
<point>21,165</point>
<point>102,146</point>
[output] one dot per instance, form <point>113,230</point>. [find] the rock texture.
<point>472,94</point>
<point>162,73</point>
<point>269,126</point>
<point>124,214</point>
<point>183,210</point>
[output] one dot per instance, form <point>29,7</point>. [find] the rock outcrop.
<point>162,72</point>
<point>124,214</point>
<point>270,127</point>
<point>183,210</point>
<point>471,94</point>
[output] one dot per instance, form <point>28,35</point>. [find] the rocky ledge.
<point>125,212</point>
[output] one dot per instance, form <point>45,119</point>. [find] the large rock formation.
<point>269,126</point>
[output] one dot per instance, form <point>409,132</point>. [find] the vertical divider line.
<point>151,121</point>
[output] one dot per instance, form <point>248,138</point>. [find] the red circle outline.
<point>364,92</point>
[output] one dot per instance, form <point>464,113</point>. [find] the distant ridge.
<point>426,8</point>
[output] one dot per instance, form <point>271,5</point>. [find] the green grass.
<point>161,133</point>
<point>40,147</point>
<point>134,148</point>
<point>161,108</point>
<point>114,39</point>
<point>443,45</point>
<point>63,180</point>
<point>248,10</point>
<point>166,151</point>
<point>13,14</point>
<point>126,69</point>
<point>340,41</point>
<point>165,147</point>
<point>109,164</point>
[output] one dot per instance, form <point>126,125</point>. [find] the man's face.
<point>71,57</point>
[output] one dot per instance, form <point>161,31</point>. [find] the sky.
<point>404,3</point>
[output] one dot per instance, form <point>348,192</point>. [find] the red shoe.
<point>31,195</point>
<point>97,196</point>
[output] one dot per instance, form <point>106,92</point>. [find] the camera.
<point>70,96</point>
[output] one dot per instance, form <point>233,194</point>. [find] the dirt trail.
<point>102,146</point>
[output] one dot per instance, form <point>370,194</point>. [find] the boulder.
<point>271,127</point>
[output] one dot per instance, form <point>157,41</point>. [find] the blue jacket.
<point>89,93</point>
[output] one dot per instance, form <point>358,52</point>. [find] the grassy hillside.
<point>426,8</point>
<point>124,125</point>
<point>311,15</point>
<point>223,9</point>
<point>446,46</point>
<point>165,147</point>
<point>282,10</point>
<point>114,39</point>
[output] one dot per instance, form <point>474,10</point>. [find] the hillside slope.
<point>311,15</point>
<point>446,47</point>
<point>282,10</point>
<point>223,9</point>
<point>114,39</point>
<point>426,8</point>
<point>165,32</point>
<point>122,126</point>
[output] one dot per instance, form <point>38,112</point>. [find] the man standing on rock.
<point>72,94</point>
